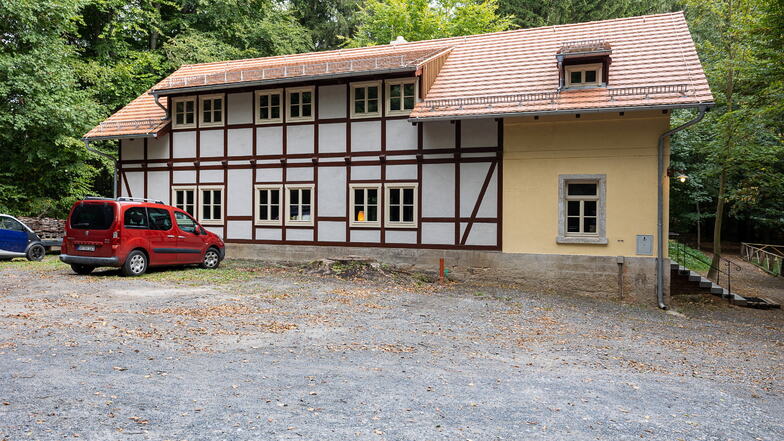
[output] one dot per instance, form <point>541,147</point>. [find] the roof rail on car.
<point>97,198</point>
<point>126,199</point>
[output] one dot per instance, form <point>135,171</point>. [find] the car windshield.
<point>92,216</point>
<point>6,223</point>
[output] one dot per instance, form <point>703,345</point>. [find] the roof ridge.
<point>457,39</point>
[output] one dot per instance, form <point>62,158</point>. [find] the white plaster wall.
<point>158,186</point>
<point>332,138</point>
<point>269,140</point>
<point>479,133</point>
<point>216,230</point>
<point>269,234</point>
<point>239,194</point>
<point>184,177</point>
<point>211,143</point>
<point>184,144</point>
<point>136,184</point>
<point>299,139</point>
<point>158,148</point>
<point>438,135</point>
<point>210,176</point>
<point>299,234</point>
<point>332,231</point>
<point>394,236</point>
<point>373,236</point>
<point>332,101</point>
<point>364,172</point>
<point>489,207</point>
<point>366,136</point>
<point>332,191</point>
<point>408,171</point>
<point>401,135</point>
<point>240,108</point>
<point>239,230</point>
<point>299,174</point>
<point>240,142</point>
<point>480,234</point>
<point>438,190</point>
<point>472,176</point>
<point>132,149</point>
<point>438,233</point>
<point>269,175</point>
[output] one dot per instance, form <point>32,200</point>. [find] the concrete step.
<point>717,290</point>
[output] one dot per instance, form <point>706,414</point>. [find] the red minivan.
<point>133,234</point>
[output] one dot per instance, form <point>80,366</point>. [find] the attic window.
<point>583,75</point>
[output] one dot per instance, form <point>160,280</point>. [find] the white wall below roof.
<point>239,230</point>
<point>132,149</point>
<point>479,133</point>
<point>299,234</point>
<point>135,181</point>
<point>480,234</point>
<point>240,107</point>
<point>210,176</point>
<point>332,231</point>
<point>372,236</point>
<point>269,175</point>
<point>332,101</point>
<point>438,135</point>
<point>184,177</point>
<point>299,174</point>
<point>438,190</point>
<point>401,135</point>
<point>332,191</point>
<point>158,148</point>
<point>437,233</point>
<point>365,136</point>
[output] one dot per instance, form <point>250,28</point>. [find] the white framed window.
<point>269,106</point>
<point>211,202</point>
<point>300,104</point>
<point>184,198</point>
<point>581,209</point>
<point>578,75</point>
<point>365,202</point>
<point>211,110</point>
<point>184,115</point>
<point>269,202</point>
<point>401,96</point>
<point>401,206</point>
<point>365,99</point>
<point>299,205</point>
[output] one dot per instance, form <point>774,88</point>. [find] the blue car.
<point>17,240</point>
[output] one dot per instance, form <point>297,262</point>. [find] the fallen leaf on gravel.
<point>6,403</point>
<point>118,368</point>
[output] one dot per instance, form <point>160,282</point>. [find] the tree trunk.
<point>713,272</point>
<point>699,230</point>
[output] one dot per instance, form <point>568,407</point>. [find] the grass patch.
<point>691,258</point>
<point>50,263</point>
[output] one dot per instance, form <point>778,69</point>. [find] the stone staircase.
<point>705,284</point>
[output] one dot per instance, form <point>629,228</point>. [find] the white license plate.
<point>85,247</point>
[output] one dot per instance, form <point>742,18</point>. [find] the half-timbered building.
<point>533,151</point>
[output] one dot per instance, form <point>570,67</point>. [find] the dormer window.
<point>584,63</point>
<point>583,75</point>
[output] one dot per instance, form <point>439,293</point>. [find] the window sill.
<point>399,112</point>
<point>183,126</point>
<point>216,222</point>
<point>581,240</point>
<point>261,122</point>
<point>365,115</point>
<point>365,225</point>
<point>259,223</point>
<point>400,225</point>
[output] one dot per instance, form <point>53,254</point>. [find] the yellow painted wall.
<point>621,147</point>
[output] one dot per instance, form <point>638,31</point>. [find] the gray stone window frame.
<point>563,236</point>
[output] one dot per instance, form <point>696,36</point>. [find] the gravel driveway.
<point>253,352</point>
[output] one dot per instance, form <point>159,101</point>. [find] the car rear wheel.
<point>36,252</point>
<point>135,264</point>
<point>82,269</point>
<point>211,259</point>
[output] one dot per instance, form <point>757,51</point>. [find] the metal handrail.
<point>517,98</point>
<point>648,90</point>
<point>770,258</point>
<point>682,251</point>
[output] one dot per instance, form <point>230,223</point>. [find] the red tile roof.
<point>654,64</point>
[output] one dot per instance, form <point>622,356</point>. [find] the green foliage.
<point>533,13</point>
<point>382,21</point>
<point>687,256</point>
<point>330,21</point>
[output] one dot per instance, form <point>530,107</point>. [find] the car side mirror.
<point>202,231</point>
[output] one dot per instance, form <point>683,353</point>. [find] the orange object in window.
<point>361,216</point>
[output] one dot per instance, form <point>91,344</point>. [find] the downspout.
<point>165,110</point>
<point>105,155</point>
<point>660,207</point>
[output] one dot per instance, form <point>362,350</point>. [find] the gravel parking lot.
<point>264,352</point>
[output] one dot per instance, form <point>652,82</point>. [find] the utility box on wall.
<point>645,244</point>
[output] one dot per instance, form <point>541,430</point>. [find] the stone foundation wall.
<point>627,278</point>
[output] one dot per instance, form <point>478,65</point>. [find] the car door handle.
<point>180,237</point>
<point>170,236</point>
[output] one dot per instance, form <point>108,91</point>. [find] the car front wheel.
<point>211,259</point>
<point>135,264</point>
<point>36,253</point>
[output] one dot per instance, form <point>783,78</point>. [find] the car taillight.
<point>116,237</point>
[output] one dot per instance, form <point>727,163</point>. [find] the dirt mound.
<point>352,267</point>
